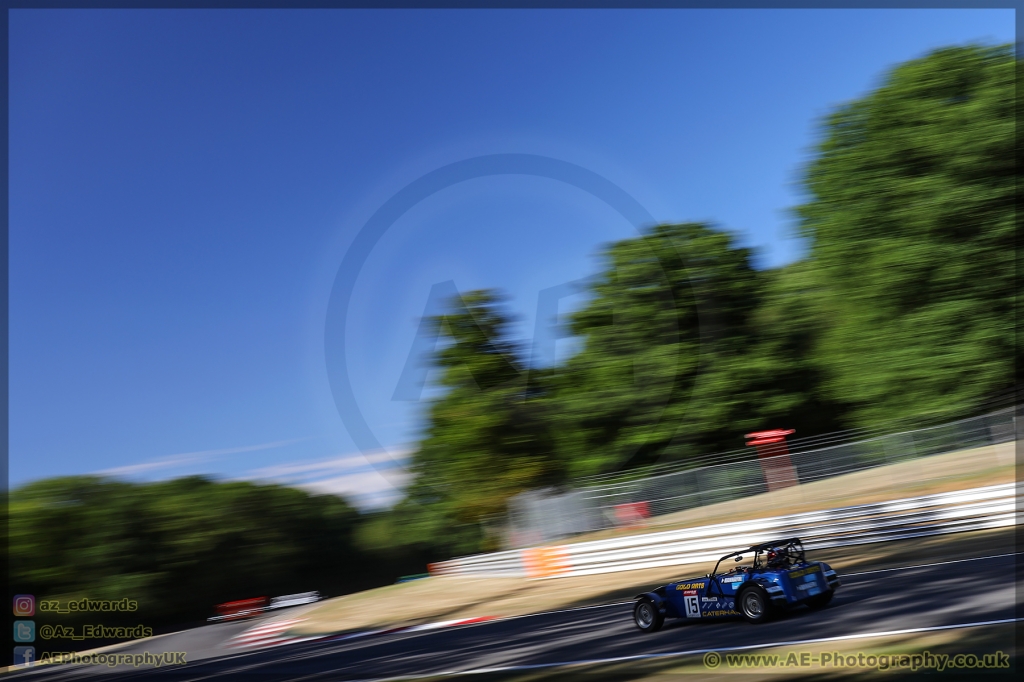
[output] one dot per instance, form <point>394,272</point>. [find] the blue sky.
<point>185,184</point>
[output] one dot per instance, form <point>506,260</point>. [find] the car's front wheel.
<point>647,616</point>
<point>820,601</point>
<point>754,605</point>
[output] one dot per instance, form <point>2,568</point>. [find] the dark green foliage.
<point>912,217</point>
<point>789,381</point>
<point>181,546</point>
<point>485,441</point>
<point>687,347</point>
<point>670,314</point>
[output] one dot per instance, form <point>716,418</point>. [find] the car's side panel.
<point>730,583</point>
<point>718,606</point>
<point>685,597</point>
<point>702,598</point>
<point>719,599</point>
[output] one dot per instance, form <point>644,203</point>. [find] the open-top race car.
<point>780,577</point>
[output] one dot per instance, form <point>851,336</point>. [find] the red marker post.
<point>244,608</point>
<point>774,457</point>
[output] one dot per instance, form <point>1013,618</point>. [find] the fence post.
<point>774,456</point>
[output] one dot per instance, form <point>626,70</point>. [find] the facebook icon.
<point>23,655</point>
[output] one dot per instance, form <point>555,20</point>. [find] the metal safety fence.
<point>928,515</point>
<point>544,516</point>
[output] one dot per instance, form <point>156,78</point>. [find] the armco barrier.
<point>501,564</point>
<point>952,512</point>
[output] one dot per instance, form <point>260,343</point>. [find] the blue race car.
<point>779,578</point>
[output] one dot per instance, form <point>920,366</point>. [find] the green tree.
<point>487,438</point>
<point>665,339</point>
<point>911,219</point>
<point>782,366</point>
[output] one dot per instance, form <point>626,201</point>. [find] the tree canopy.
<point>487,436</point>
<point>911,219</point>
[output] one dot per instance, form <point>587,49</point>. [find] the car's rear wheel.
<point>647,616</point>
<point>820,601</point>
<point>754,605</point>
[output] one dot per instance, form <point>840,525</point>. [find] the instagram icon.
<point>24,605</point>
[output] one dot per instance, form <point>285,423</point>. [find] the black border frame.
<point>6,658</point>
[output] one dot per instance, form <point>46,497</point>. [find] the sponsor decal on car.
<point>810,585</point>
<point>690,586</point>
<point>804,571</point>
<point>733,579</point>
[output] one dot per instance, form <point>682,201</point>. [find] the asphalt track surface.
<point>912,597</point>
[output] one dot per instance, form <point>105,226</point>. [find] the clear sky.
<point>185,184</point>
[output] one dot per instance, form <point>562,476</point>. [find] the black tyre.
<point>647,616</point>
<point>820,601</point>
<point>754,604</point>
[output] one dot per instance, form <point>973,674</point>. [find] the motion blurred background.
<point>833,252</point>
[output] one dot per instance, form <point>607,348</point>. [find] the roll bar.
<point>795,543</point>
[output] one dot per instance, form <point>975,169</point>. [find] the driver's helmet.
<point>775,557</point>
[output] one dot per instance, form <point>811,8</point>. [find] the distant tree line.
<point>904,309</point>
<point>179,547</point>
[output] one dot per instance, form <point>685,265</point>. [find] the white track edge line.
<point>691,652</point>
<point>937,563</point>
